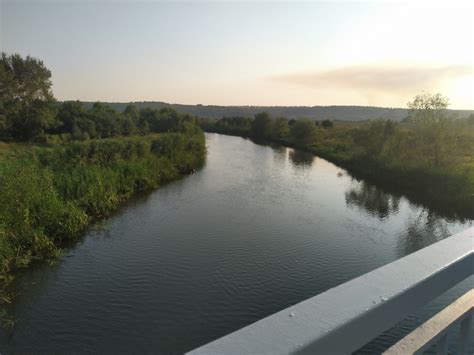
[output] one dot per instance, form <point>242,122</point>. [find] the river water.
<point>257,229</point>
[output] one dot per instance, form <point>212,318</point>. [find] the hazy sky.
<point>255,53</point>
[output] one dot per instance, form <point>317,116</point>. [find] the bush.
<point>50,194</point>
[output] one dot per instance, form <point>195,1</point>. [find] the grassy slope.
<point>50,194</point>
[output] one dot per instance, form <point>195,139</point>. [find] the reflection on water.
<point>423,228</point>
<point>258,229</point>
<point>373,200</point>
<point>299,157</point>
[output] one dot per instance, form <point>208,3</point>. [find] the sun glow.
<point>461,92</point>
<point>231,53</point>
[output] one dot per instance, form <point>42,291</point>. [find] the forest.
<point>428,156</point>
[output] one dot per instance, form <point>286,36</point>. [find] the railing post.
<point>466,328</point>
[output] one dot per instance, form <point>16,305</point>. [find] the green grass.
<point>50,194</point>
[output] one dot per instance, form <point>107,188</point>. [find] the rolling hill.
<point>342,113</point>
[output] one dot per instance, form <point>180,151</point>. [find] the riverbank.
<point>449,192</point>
<point>50,194</point>
<point>277,226</point>
<point>447,189</point>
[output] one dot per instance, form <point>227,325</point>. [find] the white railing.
<point>436,330</point>
<point>343,319</point>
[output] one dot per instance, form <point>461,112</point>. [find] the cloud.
<point>373,81</point>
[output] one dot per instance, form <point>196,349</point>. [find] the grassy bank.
<point>446,190</point>
<point>51,193</point>
<point>399,157</point>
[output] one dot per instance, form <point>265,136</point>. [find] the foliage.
<point>429,108</point>
<point>373,137</point>
<point>262,126</point>
<point>427,153</point>
<point>240,126</point>
<point>28,111</point>
<point>50,194</point>
<point>281,128</point>
<point>83,170</point>
<point>27,101</point>
<point>432,127</point>
<point>304,131</point>
<point>327,124</point>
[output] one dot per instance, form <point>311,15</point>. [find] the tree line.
<point>29,111</point>
<point>263,126</point>
<point>429,135</point>
<point>429,152</point>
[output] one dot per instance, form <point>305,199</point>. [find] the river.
<point>257,229</point>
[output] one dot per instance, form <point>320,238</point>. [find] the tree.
<point>281,129</point>
<point>262,126</point>
<point>164,120</point>
<point>234,125</point>
<point>304,131</point>
<point>106,119</point>
<point>429,108</point>
<point>69,113</point>
<point>28,102</point>
<point>432,127</point>
<point>128,126</point>
<point>132,112</point>
<point>373,136</point>
<point>327,124</point>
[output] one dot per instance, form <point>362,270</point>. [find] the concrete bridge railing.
<point>345,318</point>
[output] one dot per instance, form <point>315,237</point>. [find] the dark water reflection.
<point>373,200</point>
<point>259,228</point>
<point>299,157</point>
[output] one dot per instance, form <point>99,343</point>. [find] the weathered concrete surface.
<point>344,318</point>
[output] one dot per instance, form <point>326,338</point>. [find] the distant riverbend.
<point>257,229</point>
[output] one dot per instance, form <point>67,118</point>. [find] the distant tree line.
<point>29,112</point>
<point>264,127</point>
<point>102,121</point>
<point>429,154</point>
<point>429,137</point>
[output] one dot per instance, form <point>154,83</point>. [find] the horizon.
<point>186,104</point>
<point>248,54</point>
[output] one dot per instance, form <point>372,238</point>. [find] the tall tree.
<point>26,98</point>
<point>281,129</point>
<point>327,124</point>
<point>432,127</point>
<point>305,131</point>
<point>69,113</point>
<point>262,125</point>
<point>132,112</point>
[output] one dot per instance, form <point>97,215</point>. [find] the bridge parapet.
<point>345,318</point>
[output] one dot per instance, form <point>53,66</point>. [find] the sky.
<point>248,53</point>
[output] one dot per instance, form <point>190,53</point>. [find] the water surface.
<point>259,228</point>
